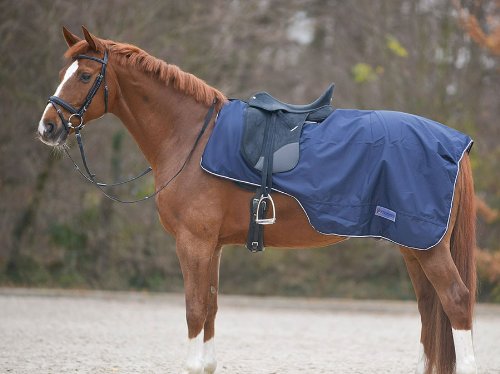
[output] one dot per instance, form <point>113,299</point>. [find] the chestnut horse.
<point>164,109</point>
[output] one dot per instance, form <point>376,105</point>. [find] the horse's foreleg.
<point>209,359</point>
<point>196,256</point>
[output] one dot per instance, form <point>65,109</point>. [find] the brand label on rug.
<point>385,213</point>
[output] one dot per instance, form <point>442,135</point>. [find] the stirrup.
<point>265,221</point>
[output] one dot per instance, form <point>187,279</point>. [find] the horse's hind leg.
<point>434,273</point>
<point>455,298</point>
<point>196,256</point>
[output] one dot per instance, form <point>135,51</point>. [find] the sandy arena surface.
<point>52,331</point>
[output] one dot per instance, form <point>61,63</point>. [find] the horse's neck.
<point>163,121</point>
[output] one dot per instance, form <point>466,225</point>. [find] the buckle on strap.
<point>262,220</point>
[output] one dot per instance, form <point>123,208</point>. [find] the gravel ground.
<point>51,331</point>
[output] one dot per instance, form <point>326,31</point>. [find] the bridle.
<point>79,113</point>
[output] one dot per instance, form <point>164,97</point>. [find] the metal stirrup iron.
<point>260,219</point>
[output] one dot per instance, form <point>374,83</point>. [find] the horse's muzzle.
<point>51,134</point>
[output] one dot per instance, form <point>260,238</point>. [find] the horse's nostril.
<point>49,127</point>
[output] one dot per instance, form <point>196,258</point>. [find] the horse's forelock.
<point>79,48</point>
<point>82,47</point>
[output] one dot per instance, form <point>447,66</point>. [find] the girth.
<point>270,144</point>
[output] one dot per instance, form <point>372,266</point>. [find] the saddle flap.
<point>285,148</point>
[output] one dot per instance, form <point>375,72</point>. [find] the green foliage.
<point>26,270</point>
<point>395,46</point>
<point>489,289</point>
<point>363,73</point>
<point>117,141</point>
<point>145,189</point>
<point>495,294</point>
<point>153,280</point>
<point>67,237</point>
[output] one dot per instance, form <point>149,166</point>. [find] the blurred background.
<point>434,58</point>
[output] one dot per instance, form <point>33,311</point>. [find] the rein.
<point>78,113</point>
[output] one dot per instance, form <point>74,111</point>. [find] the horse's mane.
<point>130,55</point>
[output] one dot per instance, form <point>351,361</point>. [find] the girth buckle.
<point>263,201</point>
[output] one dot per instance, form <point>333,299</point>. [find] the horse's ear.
<point>91,39</point>
<point>71,39</point>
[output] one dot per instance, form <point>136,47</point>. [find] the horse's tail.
<point>441,356</point>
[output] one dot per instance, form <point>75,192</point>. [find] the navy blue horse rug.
<point>361,173</point>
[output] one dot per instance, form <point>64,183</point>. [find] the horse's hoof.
<point>210,367</point>
<point>194,367</point>
<point>466,368</point>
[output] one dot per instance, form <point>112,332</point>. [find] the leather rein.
<point>79,113</point>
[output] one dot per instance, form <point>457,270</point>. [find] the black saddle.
<point>264,109</point>
<point>270,144</point>
<point>265,101</point>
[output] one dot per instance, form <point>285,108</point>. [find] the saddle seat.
<point>265,101</point>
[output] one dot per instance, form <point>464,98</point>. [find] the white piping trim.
<point>358,236</point>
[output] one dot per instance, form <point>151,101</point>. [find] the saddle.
<point>270,144</point>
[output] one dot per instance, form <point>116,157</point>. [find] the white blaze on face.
<point>67,75</point>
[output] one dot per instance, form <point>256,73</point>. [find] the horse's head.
<point>82,94</point>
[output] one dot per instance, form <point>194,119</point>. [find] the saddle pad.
<point>361,173</point>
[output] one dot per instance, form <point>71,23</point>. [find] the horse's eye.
<point>85,77</point>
